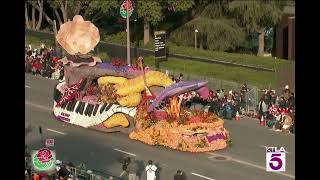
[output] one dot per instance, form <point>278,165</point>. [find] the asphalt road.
<point>245,159</point>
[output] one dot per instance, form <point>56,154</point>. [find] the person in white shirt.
<point>151,171</point>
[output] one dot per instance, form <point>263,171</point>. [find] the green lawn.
<point>207,71</point>
<point>267,62</point>
<point>212,72</point>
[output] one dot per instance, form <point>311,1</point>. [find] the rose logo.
<point>44,155</point>
<point>43,159</point>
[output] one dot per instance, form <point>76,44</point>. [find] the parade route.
<point>244,160</point>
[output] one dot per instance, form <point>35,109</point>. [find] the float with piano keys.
<point>113,97</point>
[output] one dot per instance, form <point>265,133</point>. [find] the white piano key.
<point>75,107</point>
<point>125,110</point>
<point>111,110</point>
<point>132,112</point>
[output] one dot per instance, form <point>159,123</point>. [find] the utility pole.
<point>128,33</point>
<point>195,38</point>
<point>55,35</point>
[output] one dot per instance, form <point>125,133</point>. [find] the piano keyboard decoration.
<point>88,115</point>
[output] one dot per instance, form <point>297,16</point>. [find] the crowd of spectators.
<point>43,62</point>
<point>224,104</point>
<point>277,111</point>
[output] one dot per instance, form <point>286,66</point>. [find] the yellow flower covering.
<point>131,100</point>
<point>111,80</point>
<point>118,119</point>
<point>136,85</point>
<point>189,137</point>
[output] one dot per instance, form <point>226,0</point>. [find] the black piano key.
<point>73,105</point>
<point>69,106</point>
<point>78,107</point>
<point>82,108</point>
<point>103,107</point>
<point>90,110</point>
<point>96,109</point>
<point>108,107</point>
<point>74,102</point>
<point>87,110</point>
<point>63,106</point>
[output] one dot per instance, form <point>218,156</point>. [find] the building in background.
<point>285,34</point>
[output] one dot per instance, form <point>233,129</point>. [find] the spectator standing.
<point>263,107</point>
<point>56,73</point>
<point>181,78</point>
<point>36,176</point>
<point>36,67</point>
<point>151,171</point>
<point>132,169</point>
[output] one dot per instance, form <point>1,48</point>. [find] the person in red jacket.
<point>36,67</point>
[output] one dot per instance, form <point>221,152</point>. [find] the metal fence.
<point>213,83</point>
<point>252,100</point>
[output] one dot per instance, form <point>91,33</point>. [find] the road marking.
<point>250,164</point>
<point>56,131</point>
<point>39,106</point>
<point>124,152</point>
<point>205,177</point>
<point>273,146</point>
<point>27,86</point>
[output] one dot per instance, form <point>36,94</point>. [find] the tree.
<point>36,24</point>
<point>214,34</point>
<point>65,10</point>
<point>258,16</point>
<point>68,9</point>
<point>216,30</point>
<point>153,11</point>
<point>96,10</point>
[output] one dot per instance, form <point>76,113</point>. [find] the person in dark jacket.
<point>63,172</point>
<point>179,176</point>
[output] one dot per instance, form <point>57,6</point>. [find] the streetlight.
<point>195,38</point>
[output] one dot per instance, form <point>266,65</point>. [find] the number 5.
<point>275,158</point>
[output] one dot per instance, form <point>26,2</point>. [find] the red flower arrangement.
<point>117,62</point>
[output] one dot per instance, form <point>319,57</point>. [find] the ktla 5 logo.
<point>275,159</point>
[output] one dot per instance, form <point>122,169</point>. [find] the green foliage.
<point>103,6</point>
<point>214,10</point>
<point>150,11</point>
<point>104,57</point>
<point>118,38</point>
<point>256,14</point>
<point>154,11</point>
<point>181,5</point>
<point>215,34</point>
<point>269,38</point>
<point>54,4</point>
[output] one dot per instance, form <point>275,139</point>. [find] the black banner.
<point>160,44</point>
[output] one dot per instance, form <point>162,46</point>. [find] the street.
<point>244,160</point>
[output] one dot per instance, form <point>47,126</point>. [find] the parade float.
<point>134,99</point>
